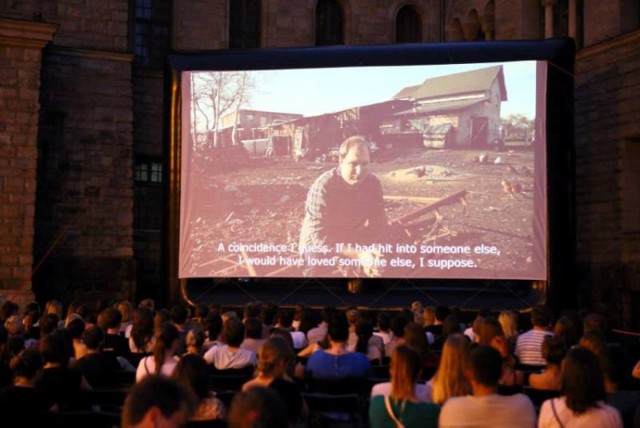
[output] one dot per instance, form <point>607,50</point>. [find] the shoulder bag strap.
<point>387,404</point>
<point>555,414</point>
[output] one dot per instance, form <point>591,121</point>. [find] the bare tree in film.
<point>214,95</point>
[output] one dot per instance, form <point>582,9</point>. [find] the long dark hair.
<point>582,380</point>
<point>364,331</point>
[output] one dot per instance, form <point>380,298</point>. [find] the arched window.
<point>408,25</point>
<point>329,23</point>
<point>244,23</point>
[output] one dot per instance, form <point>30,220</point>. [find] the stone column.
<point>21,44</point>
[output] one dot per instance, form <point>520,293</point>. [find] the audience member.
<point>566,329</point>
<point>157,401</point>
<point>422,392</point>
<point>192,372</point>
<point>258,407</point>
<point>319,332</point>
<point>583,394</point>
<point>274,359</point>
<point>229,355</point>
<point>126,310</point>
<point>485,408</point>
<point>163,360</point>
<point>252,335</point>
<point>554,349</point>
<point>436,328</point>
<point>98,367</point>
<point>415,337</point>
<point>401,407</point>
<point>366,343</point>
<point>383,324</point>
<point>111,319</point>
<point>142,335</point>
<point>450,379</point>
<point>509,322</point>
<point>21,401</point>
<point>398,322</point>
<point>195,341</point>
<point>529,344</point>
<point>61,385</point>
<point>337,361</point>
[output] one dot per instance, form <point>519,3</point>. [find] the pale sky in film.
<point>317,91</point>
<point>314,91</point>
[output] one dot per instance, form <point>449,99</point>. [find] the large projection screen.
<point>444,174</point>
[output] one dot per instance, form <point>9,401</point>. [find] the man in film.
<point>344,214</point>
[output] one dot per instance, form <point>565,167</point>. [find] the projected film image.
<point>396,172</point>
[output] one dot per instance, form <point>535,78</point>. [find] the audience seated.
<point>195,341</point>
<point>554,350</point>
<point>335,367</point>
<point>401,405</point>
<point>383,326</point>
<point>509,322</point>
<point>141,336</point>
<point>98,367</point>
<point>398,322</point>
<point>229,355</point>
<point>337,361</point>
<point>252,335</point>
<point>583,394</point>
<point>157,401</point>
<point>192,371</point>
<point>415,337</point>
<point>529,344</point>
<point>258,407</point>
<point>21,401</point>
<point>450,379</point>
<point>319,332</point>
<point>163,359</point>
<point>61,385</point>
<point>274,359</point>
<point>111,319</point>
<point>566,329</point>
<point>366,343</point>
<point>485,407</point>
<point>436,329</point>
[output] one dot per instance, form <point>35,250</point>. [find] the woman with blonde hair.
<point>402,407</point>
<point>509,322</point>
<point>274,358</point>
<point>450,379</point>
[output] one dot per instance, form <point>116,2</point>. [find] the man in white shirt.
<point>229,355</point>
<point>485,408</point>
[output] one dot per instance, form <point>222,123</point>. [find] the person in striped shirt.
<point>529,344</point>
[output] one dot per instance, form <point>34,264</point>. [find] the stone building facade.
<point>83,143</point>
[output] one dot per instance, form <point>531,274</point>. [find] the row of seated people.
<point>148,365</point>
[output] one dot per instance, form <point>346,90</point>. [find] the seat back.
<point>538,396</point>
<point>335,410</point>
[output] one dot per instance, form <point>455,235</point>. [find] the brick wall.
<point>607,108</point>
<point>20,52</point>
<point>85,195</point>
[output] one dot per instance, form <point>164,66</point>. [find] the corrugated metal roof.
<point>440,107</point>
<point>457,84</point>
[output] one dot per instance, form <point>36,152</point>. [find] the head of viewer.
<point>354,160</point>
<point>157,401</point>
<point>485,366</point>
